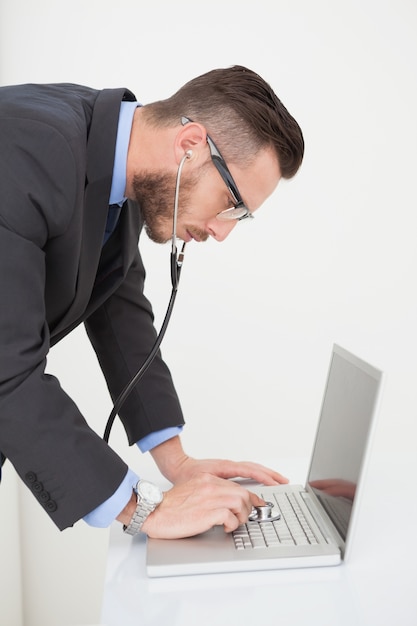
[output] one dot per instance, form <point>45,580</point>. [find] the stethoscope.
<point>176,262</point>
<point>259,513</point>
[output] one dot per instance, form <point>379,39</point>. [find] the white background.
<point>331,257</point>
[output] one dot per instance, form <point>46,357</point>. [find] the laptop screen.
<point>346,414</point>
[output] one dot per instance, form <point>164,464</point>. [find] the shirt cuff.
<point>160,436</point>
<point>107,512</point>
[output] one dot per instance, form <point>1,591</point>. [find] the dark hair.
<point>241,113</point>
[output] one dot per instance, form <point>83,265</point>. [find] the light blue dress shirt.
<point>107,512</point>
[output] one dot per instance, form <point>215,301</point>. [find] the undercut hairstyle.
<point>241,113</point>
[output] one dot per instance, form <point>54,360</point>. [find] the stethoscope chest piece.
<point>263,513</point>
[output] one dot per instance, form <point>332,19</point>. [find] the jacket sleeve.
<point>67,466</point>
<point>122,334</point>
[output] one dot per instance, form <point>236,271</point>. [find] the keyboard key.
<point>292,528</point>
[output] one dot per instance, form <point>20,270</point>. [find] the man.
<point>81,172</point>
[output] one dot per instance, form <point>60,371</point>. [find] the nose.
<point>219,230</point>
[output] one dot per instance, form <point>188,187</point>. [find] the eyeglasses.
<point>239,211</point>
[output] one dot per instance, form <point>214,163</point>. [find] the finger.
<point>240,511</point>
<point>225,495</point>
<point>231,522</point>
<point>226,519</point>
<point>254,471</point>
<point>256,500</point>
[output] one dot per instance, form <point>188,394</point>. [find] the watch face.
<point>149,492</point>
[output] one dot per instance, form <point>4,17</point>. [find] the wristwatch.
<point>148,497</point>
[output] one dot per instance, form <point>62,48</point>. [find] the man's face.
<point>202,196</point>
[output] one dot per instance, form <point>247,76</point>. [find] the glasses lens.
<point>235,213</point>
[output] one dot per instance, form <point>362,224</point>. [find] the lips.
<point>192,236</point>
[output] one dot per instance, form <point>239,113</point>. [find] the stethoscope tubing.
<point>176,262</point>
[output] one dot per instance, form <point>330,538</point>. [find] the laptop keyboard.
<point>291,529</point>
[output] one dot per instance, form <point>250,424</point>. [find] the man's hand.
<point>178,467</point>
<point>202,496</point>
<point>197,505</point>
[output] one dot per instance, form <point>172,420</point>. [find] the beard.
<point>154,192</point>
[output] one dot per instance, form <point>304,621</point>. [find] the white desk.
<point>377,587</point>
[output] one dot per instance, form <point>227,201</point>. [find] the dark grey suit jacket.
<point>57,147</point>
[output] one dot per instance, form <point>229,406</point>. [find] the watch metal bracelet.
<point>138,519</point>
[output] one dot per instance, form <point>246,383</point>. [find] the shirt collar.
<point>127,110</point>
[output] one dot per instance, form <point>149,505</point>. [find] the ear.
<point>191,136</point>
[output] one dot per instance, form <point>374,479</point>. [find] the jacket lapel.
<point>100,161</point>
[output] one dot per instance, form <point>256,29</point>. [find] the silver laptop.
<point>315,522</point>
